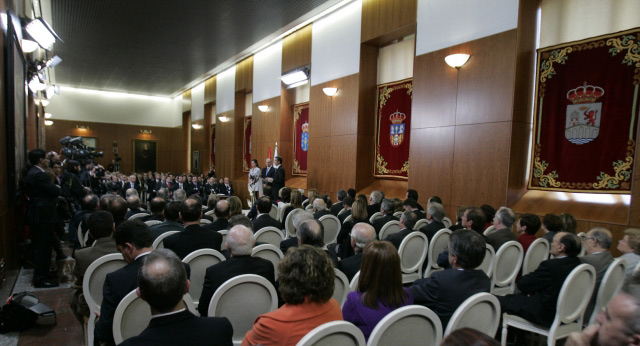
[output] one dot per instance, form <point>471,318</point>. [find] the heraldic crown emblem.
<point>396,130</point>
<point>583,114</point>
<point>304,138</point>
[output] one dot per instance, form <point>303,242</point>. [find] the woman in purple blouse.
<point>380,288</point>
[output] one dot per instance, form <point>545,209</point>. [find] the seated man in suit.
<point>222,212</point>
<point>407,221</point>
<point>336,207</point>
<point>264,219</point>
<point>387,208</point>
<point>298,219</point>
<point>162,283</point>
<point>101,227</point>
<point>347,203</point>
<point>156,207</point>
<point>253,212</point>
<point>118,208</point>
<point>226,188</point>
<point>179,195</point>
<point>435,215</point>
<point>445,290</point>
<point>171,214</point>
<point>596,247</point>
<point>527,226</point>
<point>375,199</point>
<point>473,219</point>
<point>311,232</point>
<point>503,223</point>
<point>411,204</point>
<point>540,289</point>
<point>361,235</point>
<point>239,242</point>
<point>193,237</point>
<point>413,194</point>
<point>320,208</point>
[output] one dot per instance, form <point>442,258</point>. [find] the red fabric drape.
<point>246,145</point>
<point>393,128</point>
<point>585,118</point>
<point>300,138</point>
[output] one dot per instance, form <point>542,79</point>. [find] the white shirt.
<point>169,313</point>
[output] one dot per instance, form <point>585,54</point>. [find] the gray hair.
<point>363,234</point>
<point>300,217</point>
<point>162,279</point>
<point>319,204</point>
<point>506,216</point>
<point>377,196</point>
<point>179,195</point>
<point>437,212</point>
<point>311,232</point>
<point>131,192</point>
<point>240,219</point>
<point>602,236</point>
<point>388,206</point>
<point>240,240</point>
<point>163,193</point>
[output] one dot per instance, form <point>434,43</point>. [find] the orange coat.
<point>290,323</point>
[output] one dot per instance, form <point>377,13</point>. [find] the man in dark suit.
<point>387,208</point>
<point>596,246</point>
<point>407,221</point>
<point>42,215</point>
<point>361,235</point>
<point>171,214</point>
<point>268,172</point>
<point>347,203</point>
<point>264,219</point>
<point>133,203</point>
<point>162,283</point>
<point>222,213</point>
<point>412,205</point>
<point>239,242</point>
<point>435,214</point>
<point>336,207</point>
<point>413,194</point>
<point>445,290</point>
<point>210,187</point>
<point>133,184</point>
<point>90,203</point>
<point>503,223</point>
<point>320,208</point>
<point>193,237</point>
<point>156,206</point>
<point>226,188</point>
<point>540,289</point>
<point>299,218</point>
<point>278,178</point>
<point>375,199</point>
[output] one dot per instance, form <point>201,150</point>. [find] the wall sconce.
<point>263,108</point>
<point>29,46</point>
<point>330,91</point>
<point>41,32</point>
<point>43,102</point>
<point>81,127</point>
<point>145,131</point>
<point>196,126</point>
<point>224,118</point>
<point>457,60</point>
<point>47,115</point>
<point>48,122</point>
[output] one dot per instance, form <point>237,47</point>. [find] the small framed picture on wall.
<point>195,162</point>
<point>145,155</point>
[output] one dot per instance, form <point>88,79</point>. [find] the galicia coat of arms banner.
<point>393,122</point>
<point>300,138</point>
<point>246,145</point>
<point>586,110</point>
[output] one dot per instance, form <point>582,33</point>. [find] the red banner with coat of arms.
<point>392,132</point>
<point>300,138</point>
<point>246,145</point>
<point>586,115</point>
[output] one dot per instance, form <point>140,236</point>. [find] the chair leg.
<point>505,327</point>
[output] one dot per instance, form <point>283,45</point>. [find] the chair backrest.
<point>305,202</point>
<point>353,285</point>
<point>388,229</point>
<point>288,223</point>
<point>133,315</point>
<point>397,214</point>
<point>637,269</point>
<point>447,222</point>
<point>270,235</point>
<point>137,216</point>
<point>412,252</point>
<point>94,277</point>
<point>537,252</point>
<point>420,223</point>
<point>204,221</point>
<point>438,243</point>
<point>85,239</point>
<point>571,301</point>
<point>331,228</point>
<point>341,333</point>
<point>342,211</point>
<point>273,212</point>
<point>158,243</point>
<point>341,287</point>
<point>242,299</point>
<point>506,268</point>
<point>611,282</point>
<point>347,219</point>
<point>80,235</point>
<point>489,230</point>
<point>481,312</point>
<point>281,210</point>
<point>199,261</point>
<point>269,252</point>
<point>210,212</point>
<point>582,237</point>
<point>375,216</point>
<point>487,262</point>
<point>153,222</point>
<point>413,325</point>
<point>308,207</point>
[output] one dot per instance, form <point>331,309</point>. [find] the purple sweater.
<point>364,317</point>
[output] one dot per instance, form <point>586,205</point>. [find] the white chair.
<point>273,212</point>
<point>270,235</point>
<point>397,214</point>
<point>611,282</point>
<point>308,207</point>
<point>80,235</point>
<point>288,223</point>
<point>353,285</point>
<point>137,216</point>
<point>154,222</point>
<point>347,219</point>
<point>388,229</point>
<point>86,238</point>
<point>438,243</point>
<point>270,253</point>
<point>210,212</point>
<point>92,284</point>
<point>334,333</point>
<point>537,252</point>
<point>637,269</point>
<point>158,243</point>
<point>420,223</point>
<point>412,252</point>
<point>341,287</point>
<point>569,309</point>
<point>305,202</point>
<point>133,314</point>
<point>199,261</point>
<point>408,325</point>
<point>481,312</point>
<point>281,210</point>
<point>204,221</point>
<point>489,230</point>
<point>242,299</point>
<point>331,228</point>
<point>487,262</point>
<point>582,237</point>
<point>375,216</point>
<point>447,222</point>
<point>223,233</point>
<point>506,268</point>
<point>342,211</point>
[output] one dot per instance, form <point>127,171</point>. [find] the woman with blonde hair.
<point>358,214</point>
<point>235,206</point>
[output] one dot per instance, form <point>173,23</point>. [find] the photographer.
<point>72,190</point>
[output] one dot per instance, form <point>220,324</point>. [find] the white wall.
<point>335,44</point>
<point>248,105</point>
<point>267,65</point>
<point>197,102</point>
<point>395,61</point>
<point>446,23</point>
<point>302,93</point>
<point>114,108</point>
<point>226,90</point>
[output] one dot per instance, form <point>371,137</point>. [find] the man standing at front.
<point>278,177</point>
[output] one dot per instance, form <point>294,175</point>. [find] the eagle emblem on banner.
<point>304,138</point>
<point>396,130</point>
<point>584,114</point>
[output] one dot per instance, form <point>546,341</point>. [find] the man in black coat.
<point>375,199</point>
<point>239,242</point>
<point>503,223</point>
<point>347,203</point>
<point>268,172</point>
<point>336,207</point>
<point>387,208</point>
<point>42,215</point>
<point>278,178</point>
<point>222,213</point>
<point>445,290</point>
<point>193,237</point>
<point>361,235</point>
<point>264,219</point>
<point>412,205</point>
<point>435,215</point>
<point>162,283</point>
<point>320,208</point>
<point>407,221</point>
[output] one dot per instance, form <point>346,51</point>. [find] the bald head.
<point>131,192</point>
<point>222,209</point>
<point>310,232</point>
<point>319,204</point>
<point>240,241</point>
<point>162,281</point>
<point>361,235</point>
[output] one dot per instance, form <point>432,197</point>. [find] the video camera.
<point>74,149</point>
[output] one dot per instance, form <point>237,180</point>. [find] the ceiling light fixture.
<point>42,33</point>
<point>263,108</point>
<point>28,46</point>
<point>457,60</point>
<point>196,126</point>
<point>224,118</point>
<point>330,91</point>
<point>296,76</point>
<point>47,115</point>
<point>48,122</point>
<point>298,84</point>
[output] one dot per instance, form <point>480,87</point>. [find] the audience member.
<point>358,214</point>
<point>459,214</point>
<point>527,226</point>
<point>629,245</point>
<point>503,223</point>
<point>348,203</point>
<point>171,214</point>
<point>551,224</point>
<point>413,194</point>
<point>468,336</point>
<point>118,208</point>
<point>89,203</point>
<point>336,207</point>
<point>435,215</point>
<point>361,235</point>
<point>156,205</point>
<point>569,223</point>
<point>596,246</point>
<point>264,219</point>
<point>179,195</point>
<point>489,214</point>
<point>193,237</point>
<point>311,232</point>
<point>133,203</point>
<point>387,208</point>
<point>222,213</point>
<point>235,205</point>
<point>320,208</point>
<point>298,218</point>
<point>375,199</point>
<point>296,203</point>
<point>240,220</point>
<point>410,204</point>
<point>407,221</point>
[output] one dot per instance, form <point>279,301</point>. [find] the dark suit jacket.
<point>317,215</point>
<point>336,207</point>
<point>377,224</point>
<point>264,220</point>
<point>445,290</point>
<point>344,215</point>
<point>350,266</point>
<point>41,190</point>
<point>372,209</point>
<point>540,290</point>
<point>223,189</point>
<point>278,181</point>
<point>127,186</point>
<point>217,225</point>
<point>431,229</point>
<point>271,174</point>
<point>152,217</point>
<point>287,243</point>
<point>219,273</point>
<point>166,226</point>
<point>499,237</point>
<point>420,214</point>
<point>130,213</point>
<point>599,261</point>
<point>191,239</point>
<point>397,238</point>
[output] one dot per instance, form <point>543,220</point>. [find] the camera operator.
<point>72,189</point>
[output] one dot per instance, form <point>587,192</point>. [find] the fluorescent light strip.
<point>291,86</point>
<point>116,94</point>
<point>294,77</point>
<point>38,30</point>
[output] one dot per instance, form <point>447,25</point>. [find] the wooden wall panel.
<point>238,129</point>
<point>518,155</point>
<point>186,141</point>
<point>210,90</point>
<point>366,115</point>
<point>244,75</point>
<point>285,143</point>
<point>320,169</point>
<point>431,162</point>
<point>381,17</point>
<point>319,112</point>
<point>198,144</point>
<point>205,156</point>
<point>296,49</point>
<point>344,106</point>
